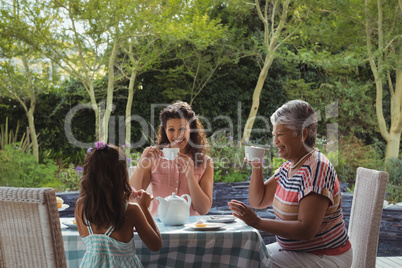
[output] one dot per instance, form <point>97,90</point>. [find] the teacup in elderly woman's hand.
<point>254,154</point>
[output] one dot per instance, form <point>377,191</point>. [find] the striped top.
<point>104,251</point>
<point>316,175</point>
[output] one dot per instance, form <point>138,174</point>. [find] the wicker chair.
<point>30,233</point>
<point>365,215</point>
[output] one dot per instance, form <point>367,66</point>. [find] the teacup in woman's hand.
<point>254,154</point>
<point>170,153</point>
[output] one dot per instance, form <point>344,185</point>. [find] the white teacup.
<point>255,154</point>
<point>170,153</point>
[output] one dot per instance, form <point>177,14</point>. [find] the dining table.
<point>220,244</point>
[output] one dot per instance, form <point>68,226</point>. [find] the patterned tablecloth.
<point>234,245</point>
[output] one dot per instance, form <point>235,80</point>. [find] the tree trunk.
<point>104,130</point>
<point>271,35</point>
<point>256,98</point>
<point>30,111</point>
<point>32,132</point>
<point>393,146</point>
<point>128,108</point>
<point>393,136</point>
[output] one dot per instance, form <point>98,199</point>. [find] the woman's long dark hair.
<point>197,146</point>
<point>104,187</point>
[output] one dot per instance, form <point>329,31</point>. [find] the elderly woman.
<point>304,193</point>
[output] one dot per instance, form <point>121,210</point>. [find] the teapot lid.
<point>176,198</point>
<point>173,196</point>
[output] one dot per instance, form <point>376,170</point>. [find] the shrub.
<point>351,154</point>
<point>228,157</point>
<point>276,163</point>
<point>394,186</point>
<point>69,178</point>
<point>20,169</point>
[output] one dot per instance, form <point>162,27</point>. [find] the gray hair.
<point>296,115</point>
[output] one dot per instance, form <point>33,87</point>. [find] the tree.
<point>22,71</point>
<point>274,16</point>
<point>383,25</point>
<point>373,40</point>
<point>20,83</point>
<point>152,40</point>
<point>80,45</point>
<point>197,56</point>
<point>85,39</point>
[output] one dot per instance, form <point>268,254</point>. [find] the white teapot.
<point>174,210</point>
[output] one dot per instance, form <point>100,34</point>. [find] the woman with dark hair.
<point>190,173</point>
<point>105,218</point>
<point>305,195</point>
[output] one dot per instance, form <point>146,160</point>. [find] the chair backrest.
<point>30,233</point>
<point>365,215</point>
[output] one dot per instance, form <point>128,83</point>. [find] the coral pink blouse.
<point>167,178</point>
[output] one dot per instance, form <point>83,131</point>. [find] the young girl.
<point>105,219</point>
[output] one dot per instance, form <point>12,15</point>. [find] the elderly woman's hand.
<point>254,164</point>
<point>245,213</point>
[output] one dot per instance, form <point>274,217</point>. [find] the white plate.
<point>209,227</point>
<point>69,223</point>
<point>221,219</point>
<point>63,207</point>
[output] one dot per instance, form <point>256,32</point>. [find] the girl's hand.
<point>144,199</point>
<point>245,213</point>
<point>186,164</point>
<point>134,195</point>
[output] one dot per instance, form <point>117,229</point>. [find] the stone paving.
<point>390,238</point>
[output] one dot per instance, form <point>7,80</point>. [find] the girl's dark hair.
<point>104,187</point>
<point>197,146</point>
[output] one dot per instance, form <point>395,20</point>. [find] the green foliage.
<point>217,175</point>
<point>228,157</point>
<point>276,163</point>
<point>10,137</point>
<point>351,189</point>
<point>69,178</point>
<point>235,177</point>
<point>339,98</point>
<point>19,169</point>
<point>134,158</point>
<point>315,68</point>
<point>353,153</point>
<point>394,187</point>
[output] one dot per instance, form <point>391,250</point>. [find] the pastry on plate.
<point>59,202</point>
<point>200,223</point>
